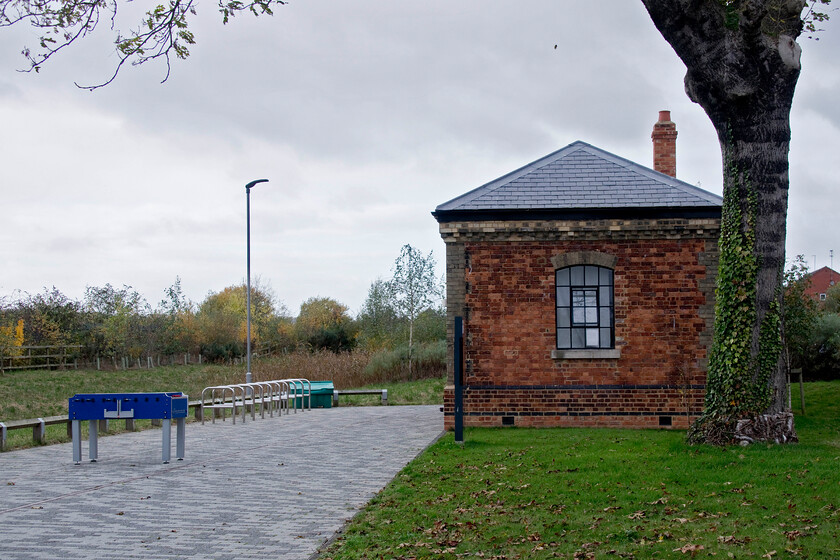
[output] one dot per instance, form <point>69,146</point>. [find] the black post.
<point>459,379</point>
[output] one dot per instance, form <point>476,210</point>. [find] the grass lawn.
<point>590,494</point>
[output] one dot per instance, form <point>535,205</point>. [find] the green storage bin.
<point>322,395</point>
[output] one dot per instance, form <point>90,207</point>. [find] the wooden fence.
<point>37,357</point>
<point>72,356</point>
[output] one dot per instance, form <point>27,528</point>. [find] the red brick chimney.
<point>664,138</point>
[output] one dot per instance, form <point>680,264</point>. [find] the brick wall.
<point>583,406</point>
<point>501,280</point>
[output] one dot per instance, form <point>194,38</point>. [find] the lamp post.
<point>248,187</point>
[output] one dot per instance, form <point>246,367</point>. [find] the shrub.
<point>335,338</point>
<point>822,361</point>
<point>221,351</point>
<point>345,370</point>
<point>219,337</point>
<point>392,365</point>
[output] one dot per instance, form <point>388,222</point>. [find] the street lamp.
<point>248,187</point>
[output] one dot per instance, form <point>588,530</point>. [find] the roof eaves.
<point>546,213</point>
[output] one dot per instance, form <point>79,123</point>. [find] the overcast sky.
<point>364,116</point>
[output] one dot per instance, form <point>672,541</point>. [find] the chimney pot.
<point>664,138</point>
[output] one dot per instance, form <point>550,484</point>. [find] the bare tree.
<point>414,287</point>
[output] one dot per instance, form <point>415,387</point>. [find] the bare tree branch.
<point>162,33</point>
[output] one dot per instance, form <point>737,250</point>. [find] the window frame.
<point>572,335</point>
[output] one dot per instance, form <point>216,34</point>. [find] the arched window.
<point>585,307</point>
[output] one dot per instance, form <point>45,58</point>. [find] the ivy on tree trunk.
<point>743,64</point>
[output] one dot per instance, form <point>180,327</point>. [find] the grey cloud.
<point>365,115</point>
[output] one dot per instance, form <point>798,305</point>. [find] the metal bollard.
<point>2,436</point>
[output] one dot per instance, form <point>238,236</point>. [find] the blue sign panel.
<point>101,406</point>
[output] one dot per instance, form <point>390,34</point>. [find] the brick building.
<point>586,283</point>
<point>820,281</point>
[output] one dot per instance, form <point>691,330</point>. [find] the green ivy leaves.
<point>737,384</point>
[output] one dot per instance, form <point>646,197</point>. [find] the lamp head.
<point>250,185</point>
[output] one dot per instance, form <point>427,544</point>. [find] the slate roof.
<point>581,177</point>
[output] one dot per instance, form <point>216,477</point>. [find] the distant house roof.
<point>820,281</point>
<point>581,180</point>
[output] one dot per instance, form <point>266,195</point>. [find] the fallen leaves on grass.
<point>414,545</point>
<point>796,533</point>
<point>692,549</point>
<point>732,539</point>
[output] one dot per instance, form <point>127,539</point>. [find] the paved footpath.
<point>271,488</point>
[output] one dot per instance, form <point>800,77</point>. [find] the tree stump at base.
<point>767,428</point>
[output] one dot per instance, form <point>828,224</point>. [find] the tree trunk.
<point>742,64</point>
<point>410,345</point>
<point>755,154</point>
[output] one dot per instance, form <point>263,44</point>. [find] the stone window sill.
<point>594,354</point>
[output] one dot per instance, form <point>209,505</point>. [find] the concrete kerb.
<point>322,466</point>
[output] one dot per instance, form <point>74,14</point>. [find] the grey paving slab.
<point>273,487</point>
